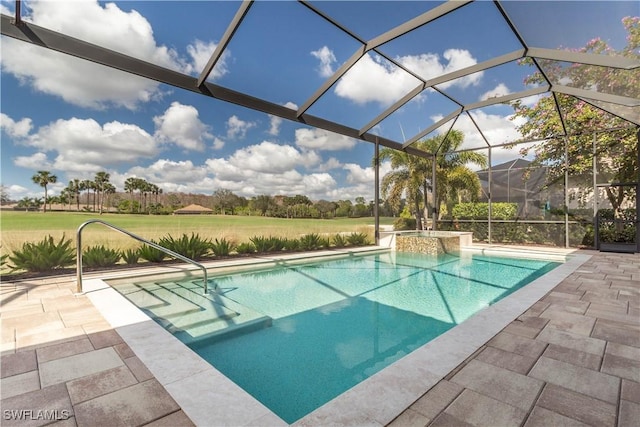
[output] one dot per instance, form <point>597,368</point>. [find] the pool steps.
<point>183,310</point>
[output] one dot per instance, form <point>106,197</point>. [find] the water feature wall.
<point>428,242</point>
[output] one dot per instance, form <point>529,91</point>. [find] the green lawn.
<point>20,227</point>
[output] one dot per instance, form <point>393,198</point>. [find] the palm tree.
<point>73,188</point>
<point>44,178</point>
<point>108,189</point>
<point>100,180</point>
<point>130,185</point>
<point>408,177</point>
<point>412,176</point>
<point>453,177</point>
<point>144,189</point>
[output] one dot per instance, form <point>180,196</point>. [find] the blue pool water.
<point>334,324</point>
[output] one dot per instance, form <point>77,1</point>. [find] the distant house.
<point>513,181</point>
<point>516,181</point>
<point>193,210</point>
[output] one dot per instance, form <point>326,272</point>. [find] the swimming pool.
<point>333,324</point>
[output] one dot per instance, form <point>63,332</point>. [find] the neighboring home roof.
<point>193,209</point>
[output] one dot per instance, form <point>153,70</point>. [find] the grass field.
<point>20,227</point>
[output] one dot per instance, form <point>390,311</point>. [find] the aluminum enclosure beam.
<point>598,96</point>
<point>433,127</point>
<point>507,98</point>
<point>49,39</point>
<point>401,29</point>
<point>609,61</point>
<point>416,22</point>
<point>226,38</point>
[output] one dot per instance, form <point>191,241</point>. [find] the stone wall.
<point>427,245</point>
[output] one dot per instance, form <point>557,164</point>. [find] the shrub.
<point>222,247</point>
<point>268,244</point>
<point>245,248</point>
<point>151,254</point>
<point>292,244</point>
<point>261,243</point>
<point>499,210</point>
<point>404,224</point>
<point>43,256</point>
<point>100,256</point>
<point>358,239</point>
<point>277,244</point>
<point>193,247</point>
<point>131,256</point>
<point>310,242</point>
<point>339,241</point>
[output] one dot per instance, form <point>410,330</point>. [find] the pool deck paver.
<point>580,343</point>
<point>62,361</point>
<point>572,358</point>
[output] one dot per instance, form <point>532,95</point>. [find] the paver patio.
<point>573,358</point>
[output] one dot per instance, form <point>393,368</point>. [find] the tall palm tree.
<point>100,180</point>
<point>107,190</point>
<point>73,188</point>
<point>453,176</point>
<point>412,176</point>
<point>44,178</point>
<point>130,185</point>
<point>407,178</point>
<point>145,188</point>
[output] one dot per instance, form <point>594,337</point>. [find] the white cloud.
<point>171,176</point>
<point>269,157</point>
<point>37,161</point>
<point>218,144</point>
<point>429,65</point>
<point>19,129</point>
<point>275,121</point>
<point>200,53</point>
<point>74,80</point>
<point>181,125</point>
<point>166,171</point>
<point>500,90</point>
<point>83,144</point>
<point>274,125</point>
<point>327,59</point>
<point>359,182</point>
<point>359,175</point>
<point>82,82</point>
<point>317,184</point>
<point>330,164</point>
<point>237,128</point>
<point>373,79</point>
<point>320,139</point>
<point>17,192</point>
<point>498,129</point>
<point>250,182</point>
<point>532,100</point>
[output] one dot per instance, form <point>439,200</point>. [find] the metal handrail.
<point>138,238</point>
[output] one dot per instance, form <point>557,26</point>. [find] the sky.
<point>75,118</point>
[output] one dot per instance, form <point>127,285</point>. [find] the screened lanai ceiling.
<point>398,73</point>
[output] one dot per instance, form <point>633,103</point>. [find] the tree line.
<point>143,197</point>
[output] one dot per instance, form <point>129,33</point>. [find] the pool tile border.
<point>204,393</point>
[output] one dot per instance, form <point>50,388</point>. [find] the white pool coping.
<point>207,396</point>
